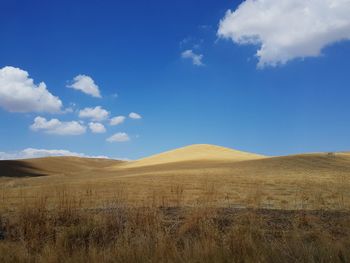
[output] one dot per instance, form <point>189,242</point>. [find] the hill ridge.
<point>195,152</point>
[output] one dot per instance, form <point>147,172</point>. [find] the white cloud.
<point>96,127</point>
<point>55,126</point>
<point>117,120</point>
<point>85,84</point>
<point>95,114</point>
<point>18,93</point>
<point>119,137</point>
<point>196,58</point>
<point>287,29</point>
<point>134,115</point>
<point>37,153</point>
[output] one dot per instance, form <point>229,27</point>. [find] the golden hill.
<point>197,169</point>
<point>196,152</point>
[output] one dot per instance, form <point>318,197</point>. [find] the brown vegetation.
<point>262,209</point>
<point>117,232</point>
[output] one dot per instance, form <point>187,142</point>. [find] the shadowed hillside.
<point>19,169</point>
<point>53,166</point>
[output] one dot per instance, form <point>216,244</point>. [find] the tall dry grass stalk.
<point>164,229</point>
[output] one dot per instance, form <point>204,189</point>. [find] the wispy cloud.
<point>117,120</point>
<point>37,153</point>
<point>119,137</point>
<point>135,116</point>
<point>196,58</point>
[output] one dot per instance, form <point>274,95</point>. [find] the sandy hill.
<point>196,152</point>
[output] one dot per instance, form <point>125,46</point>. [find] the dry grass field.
<point>226,177</point>
<point>200,203</point>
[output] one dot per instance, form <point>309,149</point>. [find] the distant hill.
<point>196,152</point>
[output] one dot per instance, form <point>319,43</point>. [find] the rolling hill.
<point>232,175</point>
<point>196,152</point>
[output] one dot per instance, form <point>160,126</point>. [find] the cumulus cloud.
<point>196,58</point>
<point>117,120</point>
<point>18,93</point>
<point>119,137</point>
<point>37,153</point>
<point>96,127</point>
<point>85,84</point>
<point>287,29</point>
<point>135,116</point>
<point>55,126</point>
<point>95,114</point>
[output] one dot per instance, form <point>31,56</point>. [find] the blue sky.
<point>191,78</point>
